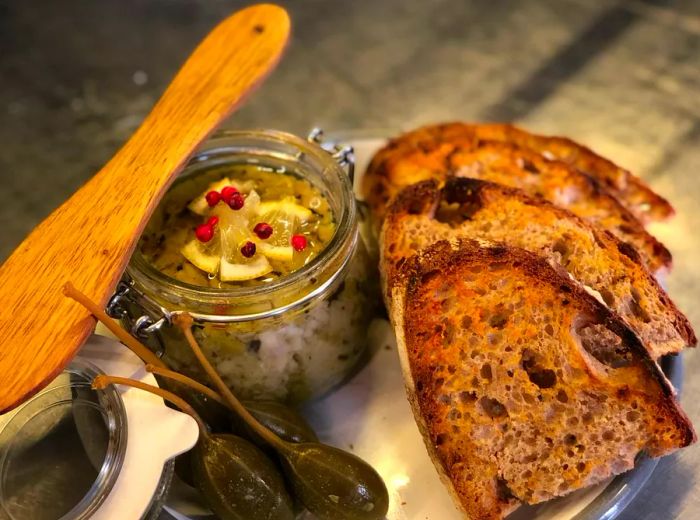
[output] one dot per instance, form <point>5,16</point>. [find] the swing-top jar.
<point>258,239</point>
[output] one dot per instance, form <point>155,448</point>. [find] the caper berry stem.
<point>127,339</point>
<point>187,381</point>
<point>184,322</point>
<point>102,381</point>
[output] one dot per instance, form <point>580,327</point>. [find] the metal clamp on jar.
<point>293,338</point>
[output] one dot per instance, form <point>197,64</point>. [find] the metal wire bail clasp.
<point>141,326</point>
<point>344,155</point>
<point>115,308</point>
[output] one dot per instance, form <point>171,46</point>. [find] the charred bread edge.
<point>661,208</point>
<point>660,252</point>
<point>445,254</point>
<point>377,178</point>
<point>423,198</point>
<point>409,384</point>
<point>661,205</point>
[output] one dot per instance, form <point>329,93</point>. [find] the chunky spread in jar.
<point>259,241</point>
<point>238,225</point>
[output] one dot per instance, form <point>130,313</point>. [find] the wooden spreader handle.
<point>90,238</point>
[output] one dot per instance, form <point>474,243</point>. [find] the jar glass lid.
<point>61,452</point>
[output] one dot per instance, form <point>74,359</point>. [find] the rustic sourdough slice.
<point>517,167</point>
<point>564,187</point>
<point>423,214</point>
<point>632,191</point>
<point>523,385</point>
<point>634,194</point>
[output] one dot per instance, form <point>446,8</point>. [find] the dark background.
<point>77,77</point>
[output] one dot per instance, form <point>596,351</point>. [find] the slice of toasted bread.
<point>524,386</point>
<point>634,194</point>
<point>423,214</point>
<point>517,167</point>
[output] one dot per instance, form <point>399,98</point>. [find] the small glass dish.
<point>62,451</point>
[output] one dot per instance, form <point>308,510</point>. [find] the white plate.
<point>370,417</point>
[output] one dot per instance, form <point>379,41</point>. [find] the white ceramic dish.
<point>370,416</point>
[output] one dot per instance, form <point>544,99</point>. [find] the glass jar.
<point>290,339</point>
<point>62,452</point>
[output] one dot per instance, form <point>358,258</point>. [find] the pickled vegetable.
<point>282,420</point>
<point>236,479</point>
<point>335,484</point>
<point>330,483</point>
<point>237,225</point>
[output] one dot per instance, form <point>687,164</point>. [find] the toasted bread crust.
<point>423,213</point>
<point>634,194</point>
<point>467,385</point>
<point>397,166</point>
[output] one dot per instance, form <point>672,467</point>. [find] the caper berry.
<point>217,416</point>
<point>334,484</point>
<point>279,418</point>
<point>238,481</point>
